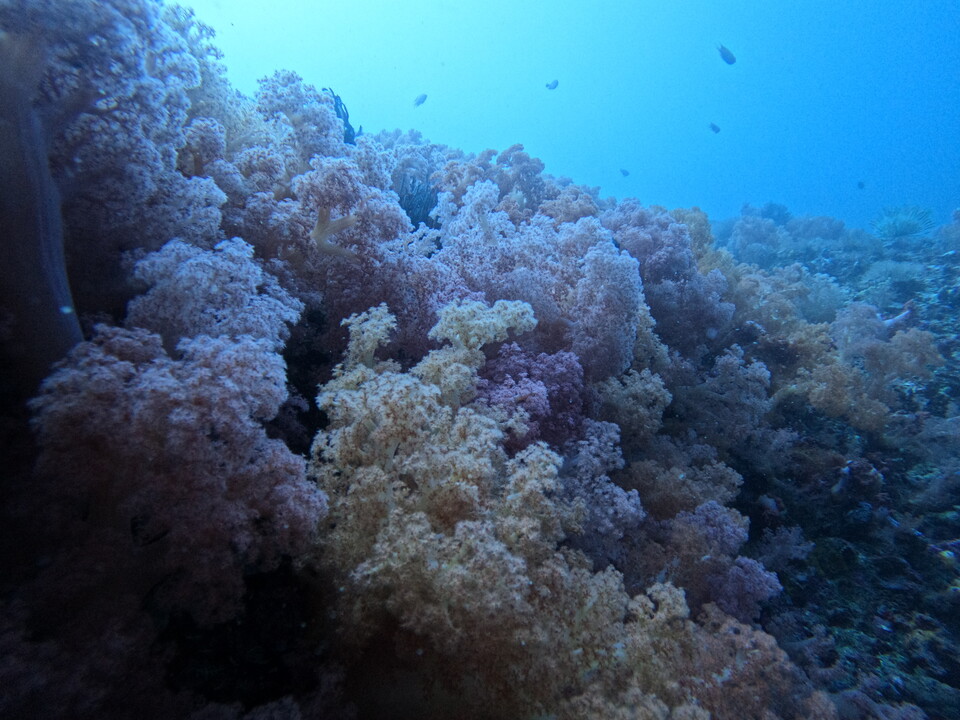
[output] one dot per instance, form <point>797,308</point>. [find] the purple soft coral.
<point>686,304</point>
<point>171,456</point>
<point>548,387</point>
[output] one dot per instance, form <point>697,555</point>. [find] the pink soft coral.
<point>171,460</point>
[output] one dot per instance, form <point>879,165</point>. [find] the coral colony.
<point>361,426</point>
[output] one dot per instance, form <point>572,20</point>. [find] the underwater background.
<point>479,361</point>
<point>823,95</point>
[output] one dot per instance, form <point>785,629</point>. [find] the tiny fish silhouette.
<point>553,85</point>
<point>624,172</point>
<point>715,127</point>
<point>728,57</point>
<point>420,100</point>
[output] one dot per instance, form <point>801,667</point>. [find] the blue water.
<point>823,96</point>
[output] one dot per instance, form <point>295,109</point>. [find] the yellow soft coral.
<point>451,578</point>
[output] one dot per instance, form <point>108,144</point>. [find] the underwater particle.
<point>905,221</point>
<point>552,85</point>
<point>728,57</point>
<point>715,128</point>
<point>420,100</point>
<point>861,185</point>
<point>624,172</point>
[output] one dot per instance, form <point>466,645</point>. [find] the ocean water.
<point>823,96</point>
<point>477,361</point>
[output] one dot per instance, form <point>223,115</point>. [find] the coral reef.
<point>354,426</point>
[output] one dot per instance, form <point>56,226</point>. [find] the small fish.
<point>861,185</point>
<point>420,100</point>
<point>624,172</point>
<point>728,57</point>
<point>553,85</point>
<point>714,127</point>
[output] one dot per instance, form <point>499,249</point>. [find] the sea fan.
<point>902,222</point>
